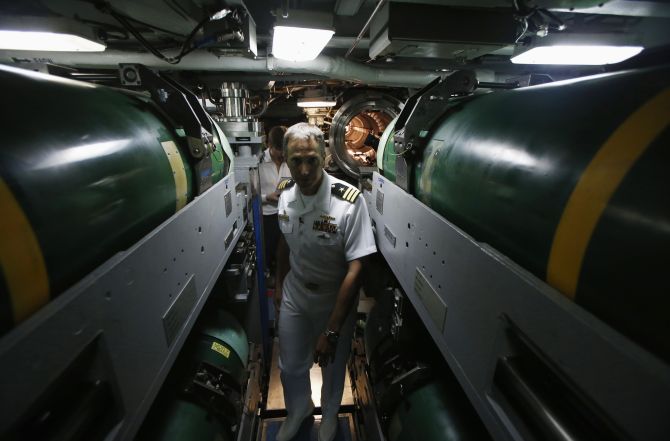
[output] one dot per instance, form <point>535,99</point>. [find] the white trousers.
<point>303,316</point>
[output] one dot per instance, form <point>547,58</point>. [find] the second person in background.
<point>271,173</point>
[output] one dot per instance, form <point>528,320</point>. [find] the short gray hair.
<point>307,132</point>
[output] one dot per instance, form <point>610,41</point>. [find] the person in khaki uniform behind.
<point>326,233</point>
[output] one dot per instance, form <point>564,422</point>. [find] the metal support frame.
<point>182,108</point>
<point>471,299</point>
<point>136,309</point>
<point>253,395</point>
<point>260,276</point>
<point>363,393</point>
<point>246,171</point>
<point>422,110</point>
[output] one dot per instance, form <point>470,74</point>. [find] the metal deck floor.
<point>275,399</point>
<point>309,431</point>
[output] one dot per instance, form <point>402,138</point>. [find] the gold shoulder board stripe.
<point>345,192</point>
<point>284,184</point>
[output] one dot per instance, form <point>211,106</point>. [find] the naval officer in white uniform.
<point>326,233</point>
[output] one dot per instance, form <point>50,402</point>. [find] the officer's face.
<point>276,153</point>
<point>305,164</point>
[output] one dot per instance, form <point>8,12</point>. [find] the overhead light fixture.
<point>592,55</point>
<point>316,98</point>
<point>47,34</point>
<point>47,41</point>
<point>302,35</point>
<point>311,102</point>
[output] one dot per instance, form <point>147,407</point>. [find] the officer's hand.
<point>325,351</point>
<point>273,198</point>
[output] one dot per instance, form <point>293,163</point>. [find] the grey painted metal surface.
<point>136,309</point>
<point>483,293</point>
<point>246,171</point>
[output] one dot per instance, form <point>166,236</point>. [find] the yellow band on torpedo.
<point>178,172</point>
<point>21,259</point>
<point>596,186</point>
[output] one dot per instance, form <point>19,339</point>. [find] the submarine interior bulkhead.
<point>519,206</point>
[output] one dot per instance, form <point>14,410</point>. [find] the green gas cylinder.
<point>202,398</point>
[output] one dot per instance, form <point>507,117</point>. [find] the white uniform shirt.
<point>323,236</point>
<point>270,177</point>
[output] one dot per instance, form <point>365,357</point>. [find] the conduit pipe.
<point>338,68</point>
<point>330,67</point>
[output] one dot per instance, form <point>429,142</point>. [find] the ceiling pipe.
<point>330,67</point>
<point>338,68</point>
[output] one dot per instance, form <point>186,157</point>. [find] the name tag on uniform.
<point>285,224</point>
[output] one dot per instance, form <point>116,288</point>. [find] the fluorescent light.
<point>577,55</point>
<point>302,103</point>
<point>299,44</point>
<point>47,41</point>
